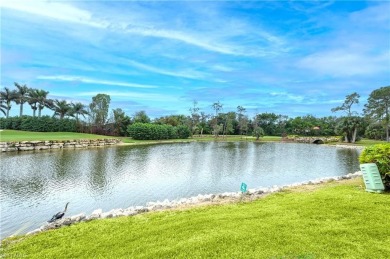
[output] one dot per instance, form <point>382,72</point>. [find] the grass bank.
<point>18,135</point>
<point>333,220</point>
<point>368,142</point>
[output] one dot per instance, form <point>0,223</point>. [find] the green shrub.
<point>380,155</point>
<point>148,131</point>
<point>38,124</point>
<point>183,132</point>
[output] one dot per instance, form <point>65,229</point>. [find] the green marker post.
<point>243,187</point>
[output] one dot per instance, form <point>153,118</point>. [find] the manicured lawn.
<point>334,220</point>
<point>369,142</point>
<point>363,142</point>
<point>17,135</point>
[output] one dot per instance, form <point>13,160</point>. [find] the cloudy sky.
<point>288,57</point>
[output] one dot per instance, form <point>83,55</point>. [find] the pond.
<point>36,185</point>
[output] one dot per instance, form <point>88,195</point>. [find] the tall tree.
<point>99,108</point>
<point>242,120</point>
<point>349,127</point>
<point>350,100</point>
<point>349,123</point>
<point>229,123</point>
<point>174,120</point>
<point>378,107</point>
<point>3,108</point>
<point>203,125</point>
<point>195,117</point>
<point>22,94</point>
<point>79,109</point>
<point>43,101</point>
<point>217,108</point>
<point>61,108</point>
<point>272,124</point>
<point>8,96</point>
<point>141,117</point>
<point>257,130</point>
<point>121,122</point>
<point>33,100</point>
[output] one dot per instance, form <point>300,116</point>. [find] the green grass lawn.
<point>17,135</point>
<point>334,220</point>
<point>363,142</point>
<point>369,142</point>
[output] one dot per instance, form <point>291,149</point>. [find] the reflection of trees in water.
<point>119,156</point>
<point>197,161</point>
<point>138,159</point>
<point>30,187</point>
<point>24,176</point>
<point>68,165</point>
<point>226,160</point>
<point>349,159</point>
<point>97,175</point>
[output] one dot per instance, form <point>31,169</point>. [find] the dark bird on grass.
<point>59,215</point>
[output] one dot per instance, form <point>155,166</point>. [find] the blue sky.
<point>288,57</point>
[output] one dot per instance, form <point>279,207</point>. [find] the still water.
<point>36,185</point>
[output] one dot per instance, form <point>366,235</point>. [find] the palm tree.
<point>33,100</point>
<point>79,109</point>
<point>3,108</point>
<point>43,101</point>
<point>61,108</point>
<point>22,96</point>
<point>349,126</point>
<point>7,96</point>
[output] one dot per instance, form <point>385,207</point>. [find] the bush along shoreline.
<point>206,199</point>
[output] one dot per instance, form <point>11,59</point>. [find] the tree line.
<point>372,123</point>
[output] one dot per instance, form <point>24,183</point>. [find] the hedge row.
<point>148,131</point>
<point>40,124</point>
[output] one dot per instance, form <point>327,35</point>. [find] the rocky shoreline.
<point>252,194</point>
<point>54,144</point>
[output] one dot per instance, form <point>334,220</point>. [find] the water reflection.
<point>34,185</point>
<point>98,180</point>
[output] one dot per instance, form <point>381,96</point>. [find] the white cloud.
<point>188,38</point>
<point>222,68</point>
<point>133,95</point>
<point>377,15</point>
<point>345,62</point>
<point>192,74</point>
<point>93,81</point>
<point>310,6</point>
<point>54,10</point>
<point>216,40</point>
<point>289,96</point>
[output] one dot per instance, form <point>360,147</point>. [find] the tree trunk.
<point>21,110</point>
<point>354,135</point>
